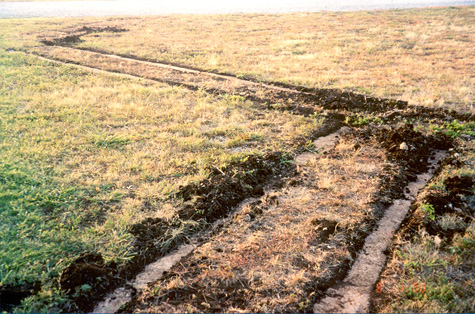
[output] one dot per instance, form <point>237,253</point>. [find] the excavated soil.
<point>454,200</point>
<point>230,186</point>
<point>205,203</point>
<point>75,35</point>
<point>407,154</point>
<point>11,295</point>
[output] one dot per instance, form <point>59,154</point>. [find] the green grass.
<point>447,275</point>
<point>46,219</point>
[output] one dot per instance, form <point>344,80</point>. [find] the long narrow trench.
<point>187,77</point>
<point>353,293</point>
<point>274,94</point>
<point>227,79</point>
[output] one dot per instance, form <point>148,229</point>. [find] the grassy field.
<point>84,156</point>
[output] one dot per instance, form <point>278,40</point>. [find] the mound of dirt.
<point>228,187</point>
<point>459,185</point>
<point>323,230</point>
<point>411,148</point>
<point>453,200</point>
<point>107,29</point>
<point>69,40</point>
<point>85,280</point>
<point>74,36</point>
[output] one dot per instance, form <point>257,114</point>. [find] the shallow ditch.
<point>303,100</point>
<point>353,294</point>
<point>451,199</point>
<point>292,98</point>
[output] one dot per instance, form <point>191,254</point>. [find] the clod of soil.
<point>323,230</point>
<point>450,201</point>
<point>74,36</point>
<point>459,185</point>
<point>64,41</point>
<point>230,186</point>
<point>88,275</point>
<point>411,148</point>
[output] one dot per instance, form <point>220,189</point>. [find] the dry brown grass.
<point>84,156</point>
<point>424,56</point>
<point>129,145</point>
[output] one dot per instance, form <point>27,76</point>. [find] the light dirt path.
<point>97,71</point>
<point>159,71</point>
<point>152,273</point>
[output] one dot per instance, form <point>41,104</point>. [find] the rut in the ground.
<point>298,100</point>
<point>353,294</point>
<point>285,97</point>
<point>273,95</point>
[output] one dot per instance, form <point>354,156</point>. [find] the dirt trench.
<point>216,276</point>
<point>354,293</point>
<point>270,95</point>
<point>275,95</point>
<point>406,150</point>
